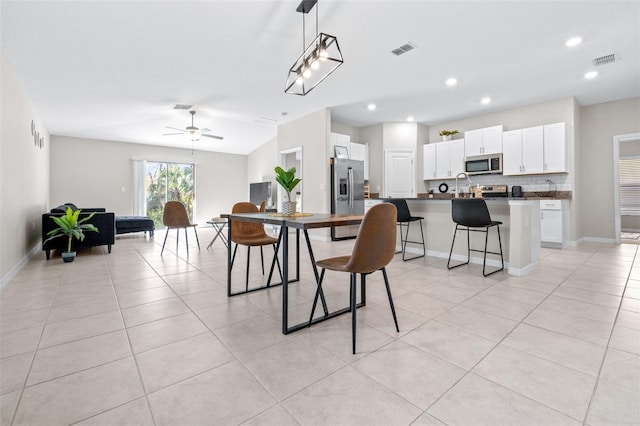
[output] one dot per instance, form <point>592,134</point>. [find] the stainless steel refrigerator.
<point>347,194</point>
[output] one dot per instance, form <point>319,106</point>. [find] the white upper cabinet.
<point>555,148</point>
<point>340,140</point>
<point>535,150</point>
<point>443,160</point>
<point>429,161</point>
<point>512,152</point>
<point>483,141</point>
<point>522,151</point>
<point>360,152</point>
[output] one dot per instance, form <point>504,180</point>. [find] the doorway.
<point>292,158</point>
<point>399,174</point>
<point>626,183</point>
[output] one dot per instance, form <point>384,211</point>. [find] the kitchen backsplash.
<point>531,183</point>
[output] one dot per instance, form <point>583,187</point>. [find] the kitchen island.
<point>520,231</point>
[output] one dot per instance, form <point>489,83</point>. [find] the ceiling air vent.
<point>604,60</point>
<point>184,107</point>
<point>403,49</point>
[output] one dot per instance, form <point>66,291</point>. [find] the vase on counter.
<point>446,138</point>
<point>289,208</point>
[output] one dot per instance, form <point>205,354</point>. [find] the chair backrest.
<point>241,231</point>
<point>263,206</point>
<point>175,215</point>
<point>471,212</point>
<point>375,244</point>
<point>403,209</point>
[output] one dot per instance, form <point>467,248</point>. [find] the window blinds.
<point>630,186</point>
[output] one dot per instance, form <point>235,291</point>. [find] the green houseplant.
<point>70,226</point>
<point>288,180</point>
<point>446,134</point>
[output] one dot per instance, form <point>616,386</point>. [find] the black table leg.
<point>285,279</point>
<point>315,272</point>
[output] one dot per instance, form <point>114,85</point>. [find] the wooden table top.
<point>316,220</point>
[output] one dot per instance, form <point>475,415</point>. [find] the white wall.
<point>372,135</point>
<point>261,163</point>
<point>24,175</point>
<point>345,129</point>
<point>599,124</point>
<point>91,173</point>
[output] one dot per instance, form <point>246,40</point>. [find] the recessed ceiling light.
<point>486,101</point>
<point>410,118</point>
<point>371,107</point>
<point>451,81</point>
<point>591,74</point>
<point>573,41</point>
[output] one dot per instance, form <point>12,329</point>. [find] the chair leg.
<point>400,251</point>
<point>262,259</point>
<point>485,254</point>
<point>455,232</point>
<point>393,309</point>
<point>315,299</point>
<point>177,238</point>
<point>406,238</point>
<point>353,312</point>
<point>186,240</point>
<point>197,239</point>
<point>363,289</point>
<point>248,260</point>
<point>166,234</point>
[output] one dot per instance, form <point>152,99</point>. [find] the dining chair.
<point>404,220</point>
<point>472,214</point>
<point>251,234</point>
<point>175,216</point>
<point>373,249</point>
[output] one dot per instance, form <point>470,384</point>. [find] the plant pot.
<point>68,256</point>
<point>289,207</point>
<point>446,138</point>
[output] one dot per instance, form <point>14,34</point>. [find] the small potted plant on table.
<point>288,180</point>
<point>70,226</point>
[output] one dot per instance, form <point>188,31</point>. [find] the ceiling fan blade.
<point>173,128</point>
<point>213,136</point>
<point>170,134</point>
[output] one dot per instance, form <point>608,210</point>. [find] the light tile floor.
<point>133,337</point>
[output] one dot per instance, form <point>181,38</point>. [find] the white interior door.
<point>399,173</point>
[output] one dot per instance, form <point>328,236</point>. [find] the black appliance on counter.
<point>516,191</point>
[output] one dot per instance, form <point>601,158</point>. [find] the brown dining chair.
<point>175,216</point>
<point>251,234</point>
<point>374,248</point>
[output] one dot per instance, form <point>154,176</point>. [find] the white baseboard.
<point>598,240</point>
<point>520,272</point>
<point>18,266</point>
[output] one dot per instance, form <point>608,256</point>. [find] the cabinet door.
<point>555,147</point>
<point>512,152</point>
<point>357,152</point>
<point>429,161</point>
<point>492,140</point>
<point>456,156</point>
<point>551,226</point>
<point>443,162</point>
<point>532,150</point>
<point>340,140</point>
<point>473,142</point>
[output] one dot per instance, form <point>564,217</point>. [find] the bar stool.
<point>473,215</point>
<point>372,251</point>
<point>405,219</point>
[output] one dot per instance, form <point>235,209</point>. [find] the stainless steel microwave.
<point>483,164</point>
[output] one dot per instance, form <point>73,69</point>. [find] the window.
<point>168,182</point>
<point>630,186</point>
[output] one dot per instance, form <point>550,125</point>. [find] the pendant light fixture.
<point>319,59</point>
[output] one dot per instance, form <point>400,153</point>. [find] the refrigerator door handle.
<point>350,171</point>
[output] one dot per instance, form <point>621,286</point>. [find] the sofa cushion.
<point>60,209</point>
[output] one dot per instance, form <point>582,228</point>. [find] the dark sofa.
<point>105,222</point>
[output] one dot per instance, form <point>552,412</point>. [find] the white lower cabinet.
<point>554,223</point>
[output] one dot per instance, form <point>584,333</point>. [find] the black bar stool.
<point>473,215</point>
<point>405,219</point>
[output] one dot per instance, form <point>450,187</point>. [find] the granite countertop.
<point>540,195</point>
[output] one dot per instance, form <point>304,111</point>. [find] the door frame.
<point>617,140</point>
<point>387,152</point>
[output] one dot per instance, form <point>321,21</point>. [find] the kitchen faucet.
<point>469,180</point>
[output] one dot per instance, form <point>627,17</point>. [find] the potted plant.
<point>288,180</point>
<point>71,227</point>
<point>446,134</point>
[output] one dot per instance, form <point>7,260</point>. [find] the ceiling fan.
<point>192,131</point>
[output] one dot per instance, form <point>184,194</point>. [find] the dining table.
<point>299,222</point>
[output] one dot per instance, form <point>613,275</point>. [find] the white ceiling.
<point>114,69</point>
